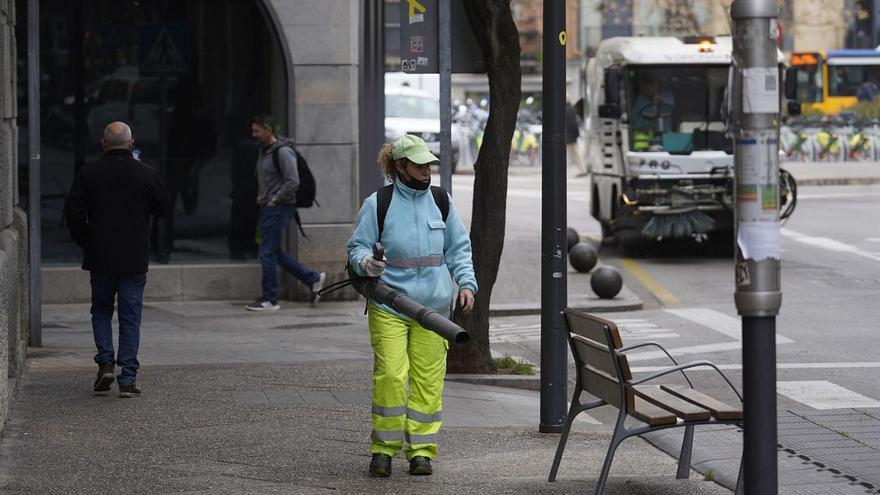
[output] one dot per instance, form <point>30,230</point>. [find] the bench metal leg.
<point>684,457</point>
<point>606,466</point>
<point>563,438</point>
<point>616,438</point>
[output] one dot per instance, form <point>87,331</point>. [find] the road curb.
<point>522,382</point>
<point>838,181</point>
<point>625,301</point>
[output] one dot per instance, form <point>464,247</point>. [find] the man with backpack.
<point>278,179</point>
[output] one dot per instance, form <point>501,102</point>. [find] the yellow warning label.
<point>562,37</point>
<point>415,5</point>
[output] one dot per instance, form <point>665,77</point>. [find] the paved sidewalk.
<point>276,403</point>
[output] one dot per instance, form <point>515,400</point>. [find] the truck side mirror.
<point>610,109</point>
<point>794,108</point>
<point>613,78</point>
<point>791,76</point>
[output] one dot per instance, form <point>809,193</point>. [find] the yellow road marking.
<point>660,292</point>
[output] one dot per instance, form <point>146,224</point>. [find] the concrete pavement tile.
<point>248,397</point>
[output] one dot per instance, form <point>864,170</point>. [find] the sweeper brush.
<point>677,224</point>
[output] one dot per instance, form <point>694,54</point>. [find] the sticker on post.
<point>758,241</point>
<point>742,274</point>
<point>761,90</point>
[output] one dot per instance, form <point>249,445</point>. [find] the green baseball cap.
<point>414,149</point>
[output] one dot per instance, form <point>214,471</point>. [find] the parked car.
<point>413,111</point>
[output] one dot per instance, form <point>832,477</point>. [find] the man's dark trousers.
<point>273,219</point>
<point>128,288</point>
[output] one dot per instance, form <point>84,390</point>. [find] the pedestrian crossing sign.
<point>164,49</point>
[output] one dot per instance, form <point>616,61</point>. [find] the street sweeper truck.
<point>659,154</point>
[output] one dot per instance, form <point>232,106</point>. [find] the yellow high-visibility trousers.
<point>406,356</point>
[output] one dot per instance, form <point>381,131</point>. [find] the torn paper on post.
<point>758,241</point>
<point>761,90</point>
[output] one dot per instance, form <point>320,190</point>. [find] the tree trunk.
<point>492,22</point>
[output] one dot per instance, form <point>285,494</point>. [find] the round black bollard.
<point>573,238</point>
<point>583,257</point>
<point>606,282</point>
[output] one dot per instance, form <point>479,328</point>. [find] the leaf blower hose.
<point>375,290</point>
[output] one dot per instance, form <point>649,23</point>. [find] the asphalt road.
<point>828,333</point>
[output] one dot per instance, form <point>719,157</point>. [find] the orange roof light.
<point>706,46</point>
<point>804,59</point>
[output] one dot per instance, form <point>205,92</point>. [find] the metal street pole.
<point>34,189</point>
<point>758,293</point>
<point>445,28</point>
<point>554,358</point>
<point>372,96</point>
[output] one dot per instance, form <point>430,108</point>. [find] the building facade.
<point>13,221</point>
<point>187,76</point>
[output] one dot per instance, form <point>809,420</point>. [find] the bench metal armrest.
<point>657,345</point>
<point>681,367</point>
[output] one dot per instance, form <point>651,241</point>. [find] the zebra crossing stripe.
<point>823,395</point>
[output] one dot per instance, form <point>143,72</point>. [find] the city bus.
<point>833,80</point>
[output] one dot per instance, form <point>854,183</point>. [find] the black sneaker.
<point>380,466</point>
<point>420,466</point>
<point>263,305</point>
<point>105,377</point>
<point>314,297</point>
<point>129,390</point>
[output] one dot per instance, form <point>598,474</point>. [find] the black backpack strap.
<point>383,200</point>
<point>441,198</point>
<point>299,224</point>
<point>275,161</point>
<point>275,158</point>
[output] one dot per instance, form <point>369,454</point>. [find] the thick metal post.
<point>34,189</point>
<point>758,293</point>
<point>554,295</point>
<point>445,29</point>
<point>372,96</point>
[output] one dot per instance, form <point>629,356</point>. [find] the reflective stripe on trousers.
<point>404,354</point>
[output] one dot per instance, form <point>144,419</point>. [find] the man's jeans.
<point>128,289</point>
<point>273,219</point>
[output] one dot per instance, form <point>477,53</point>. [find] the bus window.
<point>809,78</point>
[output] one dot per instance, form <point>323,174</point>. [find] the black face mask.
<point>413,183</point>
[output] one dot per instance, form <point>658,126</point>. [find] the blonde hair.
<point>387,162</point>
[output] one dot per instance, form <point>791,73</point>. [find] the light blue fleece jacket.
<point>414,228</point>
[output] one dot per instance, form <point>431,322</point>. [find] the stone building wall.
<point>13,222</point>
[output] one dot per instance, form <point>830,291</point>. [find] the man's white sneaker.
<point>314,297</point>
<point>262,305</point>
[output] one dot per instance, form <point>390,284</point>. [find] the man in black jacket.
<point>108,214</point>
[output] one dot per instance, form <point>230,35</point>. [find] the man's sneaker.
<point>317,286</point>
<point>105,377</point>
<point>263,305</point>
<point>420,466</point>
<point>129,390</point>
<point>380,466</point>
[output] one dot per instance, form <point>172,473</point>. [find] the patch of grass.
<point>510,366</point>
<point>709,475</point>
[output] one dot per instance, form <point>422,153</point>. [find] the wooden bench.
<point>603,371</point>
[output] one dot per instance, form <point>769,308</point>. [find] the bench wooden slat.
<point>650,414</point>
<point>685,410</point>
<point>591,327</point>
<point>598,356</point>
<point>719,409</point>
<point>603,386</point>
